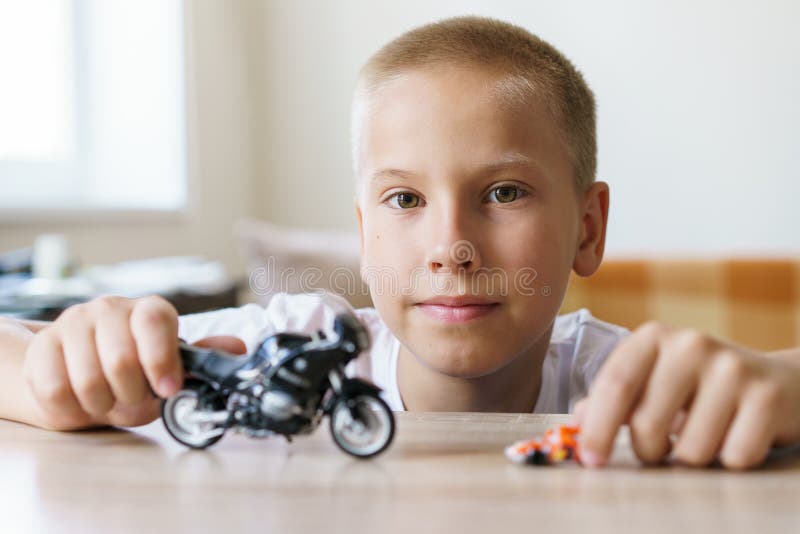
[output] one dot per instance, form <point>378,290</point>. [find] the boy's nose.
<point>454,256</point>
<point>451,249</point>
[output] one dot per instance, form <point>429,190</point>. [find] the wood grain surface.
<point>445,473</point>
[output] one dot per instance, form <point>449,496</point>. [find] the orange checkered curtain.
<point>754,302</point>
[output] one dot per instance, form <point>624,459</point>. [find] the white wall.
<point>698,110</point>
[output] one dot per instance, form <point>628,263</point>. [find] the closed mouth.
<point>456,309</point>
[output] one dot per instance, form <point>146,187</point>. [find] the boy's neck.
<point>512,389</point>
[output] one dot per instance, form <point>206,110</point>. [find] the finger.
<point>230,344</point>
<point>752,432</point>
<point>615,390</point>
<point>47,377</point>
<point>578,412</point>
<point>119,359</point>
<point>85,373</point>
<point>678,423</point>
<point>707,421</point>
<point>154,325</point>
<point>669,388</point>
<point>141,413</point>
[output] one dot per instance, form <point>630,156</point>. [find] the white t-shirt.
<point>579,343</point>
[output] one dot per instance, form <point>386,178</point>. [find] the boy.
<point>475,154</point>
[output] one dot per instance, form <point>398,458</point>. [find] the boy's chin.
<point>464,364</point>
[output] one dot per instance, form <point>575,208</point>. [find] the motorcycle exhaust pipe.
<point>215,418</point>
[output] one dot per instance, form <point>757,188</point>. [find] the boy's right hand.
<point>97,363</point>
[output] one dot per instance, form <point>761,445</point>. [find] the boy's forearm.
<point>16,399</point>
<point>791,356</point>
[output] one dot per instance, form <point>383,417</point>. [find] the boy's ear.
<point>592,231</point>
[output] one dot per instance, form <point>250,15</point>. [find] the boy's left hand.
<point>723,401</point>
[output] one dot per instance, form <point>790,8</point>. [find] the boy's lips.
<point>456,309</point>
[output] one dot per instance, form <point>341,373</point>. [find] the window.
<point>92,105</point>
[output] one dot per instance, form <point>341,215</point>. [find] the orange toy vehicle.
<point>557,444</point>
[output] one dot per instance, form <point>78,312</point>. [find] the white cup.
<point>51,257</point>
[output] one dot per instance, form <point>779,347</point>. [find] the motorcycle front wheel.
<point>362,425</point>
<point>179,415</point>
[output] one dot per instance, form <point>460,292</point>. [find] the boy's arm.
<point>791,356</point>
<point>16,400</point>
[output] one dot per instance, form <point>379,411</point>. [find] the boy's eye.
<point>404,201</point>
<point>504,194</point>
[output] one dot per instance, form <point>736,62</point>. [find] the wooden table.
<point>445,473</point>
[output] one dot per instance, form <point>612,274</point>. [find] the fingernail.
<point>591,459</point>
<point>167,386</point>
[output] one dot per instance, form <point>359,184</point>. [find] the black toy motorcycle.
<point>285,388</point>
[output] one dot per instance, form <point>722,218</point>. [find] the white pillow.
<point>293,260</point>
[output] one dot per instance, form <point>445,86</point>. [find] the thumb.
<point>230,344</point>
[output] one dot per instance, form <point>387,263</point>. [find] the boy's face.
<point>464,195</point>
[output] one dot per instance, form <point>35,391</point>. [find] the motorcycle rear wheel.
<point>369,432</point>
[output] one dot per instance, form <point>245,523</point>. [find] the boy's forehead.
<point>448,89</point>
<point>428,116</point>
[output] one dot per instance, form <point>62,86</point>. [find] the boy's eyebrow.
<point>510,160</point>
<point>513,159</point>
<point>391,173</point>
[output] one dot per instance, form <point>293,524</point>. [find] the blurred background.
<point>217,132</point>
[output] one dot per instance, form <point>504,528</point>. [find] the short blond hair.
<point>533,68</point>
